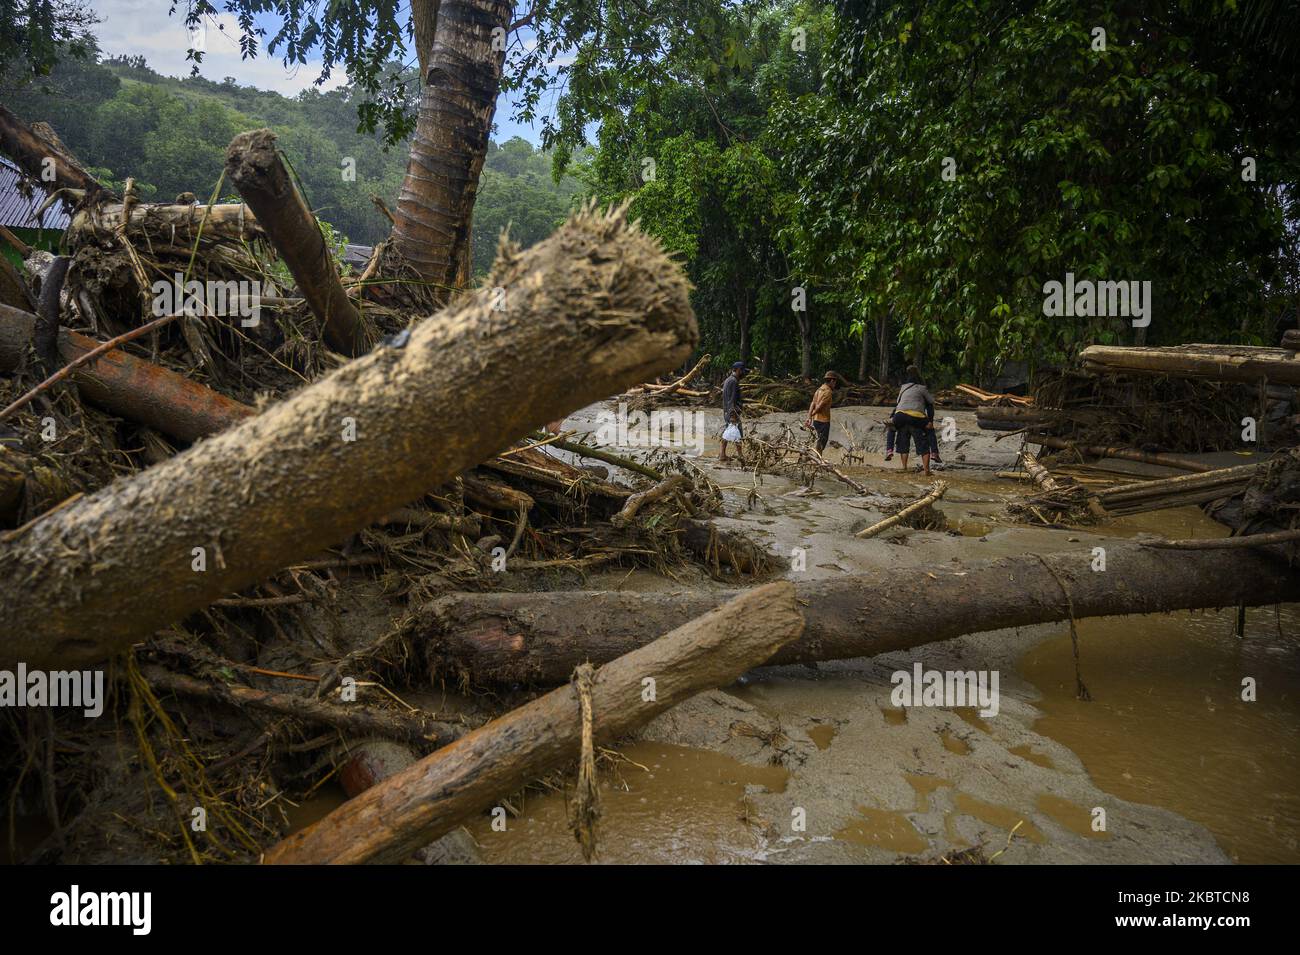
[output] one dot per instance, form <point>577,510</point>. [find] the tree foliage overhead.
<point>1115,163</point>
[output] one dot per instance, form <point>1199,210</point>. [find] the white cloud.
<point>144,28</point>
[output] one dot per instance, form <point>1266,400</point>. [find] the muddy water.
<point>1168,726</point>
<point>661,804</point>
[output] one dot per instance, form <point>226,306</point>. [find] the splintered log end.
<point>252,161</point>
<point>613,281</point>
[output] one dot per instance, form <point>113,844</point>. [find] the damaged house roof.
<point>18,207</point>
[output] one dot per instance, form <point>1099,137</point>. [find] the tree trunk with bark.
<point>253,164</point>
<point>392,819</point>
<point>461,81</point>
<point>128,386</point>
<point>88,580</point>
<point>539,638</point>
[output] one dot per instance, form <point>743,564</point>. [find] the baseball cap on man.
<point>738,366</point>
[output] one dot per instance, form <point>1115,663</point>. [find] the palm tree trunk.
<point>431,231</point>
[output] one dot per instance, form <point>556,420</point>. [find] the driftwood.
<point>640,499</point>
<point>394,818</point>
<point>128,386</point>
<point>34,152</point>
<point>167,223</point>
<point>1121,454</point>
<point>354,718</point>
<point>336,456</point>
<point>1177,491</point>
<point>538,638</point>
<point>600,454</point>
<point>936,492</point>
<point>665,391</point>
<point>255,167</point>
<point>1215,362</point>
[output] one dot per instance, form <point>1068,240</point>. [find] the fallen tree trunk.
<point>128,386</point>
<point>169,223</point>
<point>1120,454</point>
<point>539,638</point>
<point>1215,362</point>
<point>394,818</point>
<point>255,167</point>
<point>88,580</point>
<point>34,154</point>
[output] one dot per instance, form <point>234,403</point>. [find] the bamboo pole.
<point>392,819</point>
<point>936,492</point>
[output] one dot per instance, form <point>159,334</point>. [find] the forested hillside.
<point>123,119</point>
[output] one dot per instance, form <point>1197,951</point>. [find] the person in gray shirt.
<point>911,412</point>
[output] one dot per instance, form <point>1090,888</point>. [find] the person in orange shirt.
<point>819,412</point>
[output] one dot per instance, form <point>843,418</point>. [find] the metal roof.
<point>17,210</point>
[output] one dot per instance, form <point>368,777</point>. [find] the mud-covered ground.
<point>816,764</point>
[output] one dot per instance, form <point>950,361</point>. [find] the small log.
<point>124,385</point>
<point>13,288</point>
<point>649,496</point>
<point>600,454</point>
<point>256,169</point>
<point>680,382</point>
<point>936,492</point>
<point>354,718</point>
<point>1213,362</point>
<point>394,818</point>
<point>1041,476</point>
<point>1121,454</point>
<point>281,487</point>
<point>469,526</point>
<point>496,496</point>
<point>1229,543</point>
<point>538,638</point>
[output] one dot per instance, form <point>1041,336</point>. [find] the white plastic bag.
<point>731,432</point>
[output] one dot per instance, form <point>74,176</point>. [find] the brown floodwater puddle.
<point>1167,724</point>
<point>925,786</point>
<point>1024,751</point>
<point>998,816</point>
<point>1070,816</point>
<point>883,829</point>
<point>822,734</point>
<point>685,806</point>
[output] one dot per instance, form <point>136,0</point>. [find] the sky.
<point>143,28</point>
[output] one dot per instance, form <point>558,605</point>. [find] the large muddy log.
<point>540,637</point>
<point>131,387</point>
<point>168,223</point>
<point>392,819</point>
<point>1215,362</point>
<point>592,309</point>
<point>42,158</point>
<point>255,167</point>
